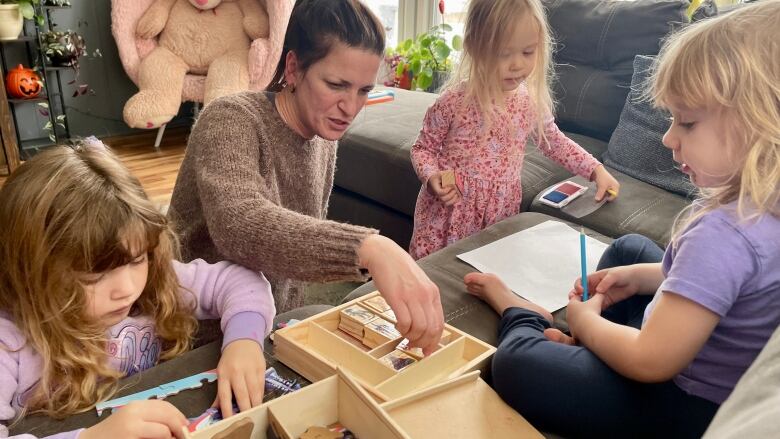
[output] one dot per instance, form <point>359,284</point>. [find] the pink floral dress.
<point>487,166</point>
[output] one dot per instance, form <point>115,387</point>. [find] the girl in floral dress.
<point>498,98</point>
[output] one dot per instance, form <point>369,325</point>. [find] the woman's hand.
<point>240,372</point>
<point>605,182</point>
<point>149,419</point>
<point>449,195</point>
<point>407,289</point>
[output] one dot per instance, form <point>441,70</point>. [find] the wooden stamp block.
<point>448,178</point>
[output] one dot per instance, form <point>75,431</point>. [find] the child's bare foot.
<point>492,290</point>
<point>556,335</point>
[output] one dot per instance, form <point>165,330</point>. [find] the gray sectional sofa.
<point>597,42</point>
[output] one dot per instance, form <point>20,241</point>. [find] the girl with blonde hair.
<point>662,342</point>
<point>90,292</point>
<point>498,98</point>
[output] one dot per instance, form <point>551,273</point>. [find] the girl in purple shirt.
<point>90,292</point>
<point>660,345</point>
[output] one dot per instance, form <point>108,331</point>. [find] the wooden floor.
<point>156,168</point>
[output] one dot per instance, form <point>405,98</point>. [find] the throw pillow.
<point>635,148</point>
<point>596,41</point>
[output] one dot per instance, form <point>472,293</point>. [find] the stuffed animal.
<point>210,37</point>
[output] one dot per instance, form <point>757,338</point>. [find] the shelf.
<point>56,7</point>
<point>23,101</point>
<point>53,68</point>
<point>22,39</point>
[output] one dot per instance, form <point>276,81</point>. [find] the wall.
<point>99,114</point>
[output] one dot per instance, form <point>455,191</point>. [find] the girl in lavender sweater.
<point>90,293</point>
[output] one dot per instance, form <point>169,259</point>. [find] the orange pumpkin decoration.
<point>22,83</point>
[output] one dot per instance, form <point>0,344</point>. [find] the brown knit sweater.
<point>253,191</point>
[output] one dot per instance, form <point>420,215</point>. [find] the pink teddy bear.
<point>210,37</point>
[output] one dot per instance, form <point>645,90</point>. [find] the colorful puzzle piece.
<point>160,392</point>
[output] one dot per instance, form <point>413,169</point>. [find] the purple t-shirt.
<point>732,268</point>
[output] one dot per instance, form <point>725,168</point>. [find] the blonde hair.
<point>488,24</point>
<point>66,212</point>
<point>730,64</point>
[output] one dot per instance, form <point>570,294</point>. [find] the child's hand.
<point>615,284</point>
<point>579,313</point>
<point>449,195</point>
<point>149,419</point>
<point>605,182</point>
<point>240,372</point>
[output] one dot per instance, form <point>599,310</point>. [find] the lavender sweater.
<point>239,297</point>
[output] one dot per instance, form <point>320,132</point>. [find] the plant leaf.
<point>446,27</point>
<point>425,80</point>
<point>26,9</point>
<point>457,42</point>
<point>415,66</point>
<point>441,50</point>
<point>399,69</point>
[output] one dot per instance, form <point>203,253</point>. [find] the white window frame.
<point>416,17</point>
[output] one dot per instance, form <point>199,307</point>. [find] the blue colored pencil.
<point>584,264</point>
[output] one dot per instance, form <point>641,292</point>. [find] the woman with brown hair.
<point>258,173</point>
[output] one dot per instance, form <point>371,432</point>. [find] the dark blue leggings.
<point>569,391</point>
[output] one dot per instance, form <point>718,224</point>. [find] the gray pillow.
<point>635,147</point>
<point>596,41</point>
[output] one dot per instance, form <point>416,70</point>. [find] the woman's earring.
<point>292,88</point>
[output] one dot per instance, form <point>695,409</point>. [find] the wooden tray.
<point>314,349</point>
<point>465,407</point>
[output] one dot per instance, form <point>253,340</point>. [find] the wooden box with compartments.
<point>338,407</point>
<point>360,337</point>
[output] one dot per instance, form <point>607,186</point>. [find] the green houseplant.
<point>12,15</point>
<point>426,59</point>
<point>26,8</point>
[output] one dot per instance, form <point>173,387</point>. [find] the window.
<point>387,11</point>
<point>454,15</point>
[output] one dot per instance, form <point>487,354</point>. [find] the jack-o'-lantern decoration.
<point>22,83</point>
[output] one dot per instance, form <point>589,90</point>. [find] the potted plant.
<point>425,61</point>
<point>63,49</point>
<point>12,15</point>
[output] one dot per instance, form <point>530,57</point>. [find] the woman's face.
<point>333,90</point>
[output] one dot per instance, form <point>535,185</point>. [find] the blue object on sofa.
<point>635,147</point>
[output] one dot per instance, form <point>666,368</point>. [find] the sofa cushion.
<point>375,151</point>
<point>596,44</point>
<point>635,147</point>
<point>640,208</point>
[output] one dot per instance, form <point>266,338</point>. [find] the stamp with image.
<point>398,360</point>
<point>377,303</point>
<point>384,328</point>
<point>358,314</point>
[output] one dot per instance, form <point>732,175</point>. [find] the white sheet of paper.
<point>539,264</point>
